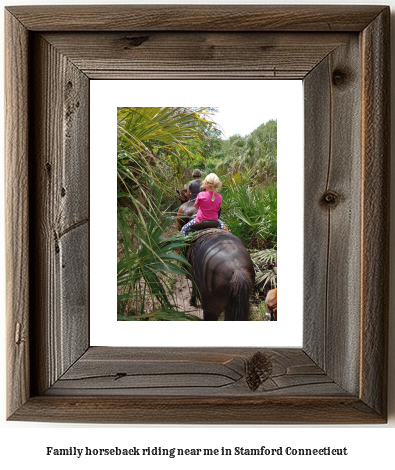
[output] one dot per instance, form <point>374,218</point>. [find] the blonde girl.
<point>207,202</point>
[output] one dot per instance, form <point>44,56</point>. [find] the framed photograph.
<point>339,375</point>
<point>246,107</point>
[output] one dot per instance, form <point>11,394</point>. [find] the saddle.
<point>204,224</point>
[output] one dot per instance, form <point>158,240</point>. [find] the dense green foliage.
<point>247,167</point>
<point>256,151</point>
<point>250,210</point>
<point>145,272</point>
<point>151,145</point>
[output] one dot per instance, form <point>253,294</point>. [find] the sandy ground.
<point>182,293</point>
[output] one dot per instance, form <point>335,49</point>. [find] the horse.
<point>271,304</point>
<point>223,273</point>
<point>187,209</point>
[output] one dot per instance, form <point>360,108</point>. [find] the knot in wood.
<point>330,199</point>
<point>135,41</point>
<point>339,77</point>
<point>259,369</point>
<point>120,375</point>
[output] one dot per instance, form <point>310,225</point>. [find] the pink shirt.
<point>208,209</point>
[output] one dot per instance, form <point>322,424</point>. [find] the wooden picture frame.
<point>340,374</point>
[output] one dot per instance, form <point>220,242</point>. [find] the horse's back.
<point>221,249</point>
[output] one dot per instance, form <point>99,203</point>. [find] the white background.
<point>23,444</point>
<point>276,99</point>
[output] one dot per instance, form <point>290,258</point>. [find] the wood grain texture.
<point>196,55</point>
<point>17,213</point>
<point>196,17</point>
<point>339,376</point>
<point>193,372</point>
<point>317,114</point>
<point>191,410</point>
<point>332,214</point>
<point>375,211</point>
<point>181,385</point>
<point>60,213</point>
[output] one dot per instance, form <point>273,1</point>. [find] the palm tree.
<point>256,151</point>
<point>146,258</point>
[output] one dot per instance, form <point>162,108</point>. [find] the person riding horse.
<point>208,203</point>
<point>220,265</point>
<point>194,186</point>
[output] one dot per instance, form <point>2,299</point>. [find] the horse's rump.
<point>223,272</point>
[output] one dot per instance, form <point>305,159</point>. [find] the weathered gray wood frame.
<point>340,374</point>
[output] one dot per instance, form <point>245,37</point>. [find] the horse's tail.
<point>238,308</point>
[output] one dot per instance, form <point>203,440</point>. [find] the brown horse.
<point>187,209</point>
<point>271,304</point>
<point>223,273</point>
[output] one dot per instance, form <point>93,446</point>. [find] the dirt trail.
<point>182,293</point>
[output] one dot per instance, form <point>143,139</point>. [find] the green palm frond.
<point>264,262</point>
<point>150,141</point>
